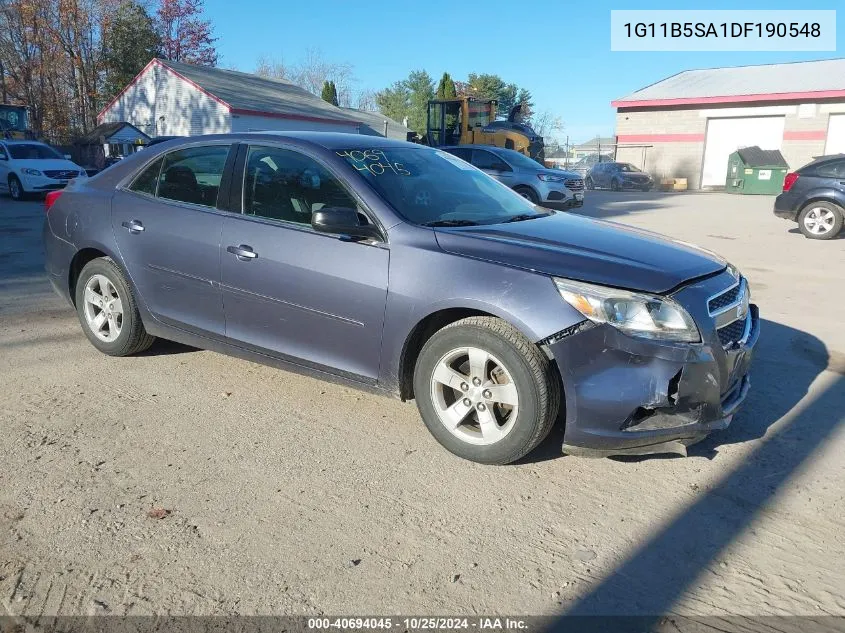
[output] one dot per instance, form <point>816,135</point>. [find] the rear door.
<point>311,298</point>
<point>168,226</point>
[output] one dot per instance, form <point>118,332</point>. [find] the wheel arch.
<point>434,321</point>
<point>83,255</point>
<point>822,197</point>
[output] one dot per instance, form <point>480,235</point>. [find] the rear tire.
<point>16,191</point>
<point>512,390</point>
<point>528,194</point>
<point>820,220</point>
<point>108,311</point>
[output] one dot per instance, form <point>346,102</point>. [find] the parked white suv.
<point>33,167</point>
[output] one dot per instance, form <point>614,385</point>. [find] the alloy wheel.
<point>103,308</point>
<point>474,395</point>
<point>819,220</point>
<point>14,188</point>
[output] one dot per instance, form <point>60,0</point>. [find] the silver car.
<point>537,183</point>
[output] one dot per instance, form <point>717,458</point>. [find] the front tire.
<point>108,311</point>
<point>16,191</point>
<point>528,193</point>
<point>588,183</point>
<point>614,185</point>
<point>820,220</point>
<point>484,391</point>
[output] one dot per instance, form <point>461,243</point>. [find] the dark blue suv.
<point>814,197</point>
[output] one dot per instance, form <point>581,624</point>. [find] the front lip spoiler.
<point>677,447</point>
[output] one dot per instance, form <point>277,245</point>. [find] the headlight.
<point>551,178</point>
<point>637,314</point>
<point>30,172</point>
<point>83,174</point>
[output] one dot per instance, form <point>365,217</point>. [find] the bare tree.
<point>366,100</point>
<point>546,123</point>
<point>311,73</point>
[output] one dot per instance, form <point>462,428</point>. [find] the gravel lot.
<point>275,493</point>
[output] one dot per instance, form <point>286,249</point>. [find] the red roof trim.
<point>195,85</point>
<point>120,94</point>
<point>297,117</point>
<point>772,96</point>
<point>805,135</point>
<point>158,62</point>
<point>660,138</point>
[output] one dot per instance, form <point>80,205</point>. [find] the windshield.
<point>627,167</point>
<point>32,151</point>
<point>432,187</point>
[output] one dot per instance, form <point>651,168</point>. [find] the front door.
<point>304,296</point>
<point>168,231</point>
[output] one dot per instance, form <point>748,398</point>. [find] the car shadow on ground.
<point>840,236</point>
<point>788,361</point>
<point>163,347</point>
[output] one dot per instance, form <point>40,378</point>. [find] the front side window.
<point>281,184</point>
<point>432,187</point>
<point>488,160</point>
<point>193,174</point>
<point>627,167</point>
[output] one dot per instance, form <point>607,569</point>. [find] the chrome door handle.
<point>134,226</point>
<point>242,252</point>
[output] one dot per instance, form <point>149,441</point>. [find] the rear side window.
<point>148,179</point>
<point>833,169</point>
<point>193,175</point>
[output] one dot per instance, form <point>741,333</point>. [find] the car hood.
<point>50,164</point>
<point>584,249</point>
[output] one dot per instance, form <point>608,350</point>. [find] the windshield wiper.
<point>525,216</point>
<point>451,223</point>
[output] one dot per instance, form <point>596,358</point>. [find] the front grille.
<point>575,184</point>
<point>732,333</point>
<point>61,173</point>
<point>725,299</point>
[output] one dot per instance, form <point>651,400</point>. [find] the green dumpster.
<point>755,170</point>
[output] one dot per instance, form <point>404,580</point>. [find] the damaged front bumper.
<point>626,395</point>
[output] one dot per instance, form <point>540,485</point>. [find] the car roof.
<point>330,140</point>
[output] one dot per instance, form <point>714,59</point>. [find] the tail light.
<point>790,180</point>
<point>51,198</point>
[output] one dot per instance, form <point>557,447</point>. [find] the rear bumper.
<point>634,396</point>
<point>786,207</point>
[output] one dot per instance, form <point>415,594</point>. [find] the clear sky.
<point>559,50</point>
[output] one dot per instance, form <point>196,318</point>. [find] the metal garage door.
<point>835,135</point>
<point>725,136</point>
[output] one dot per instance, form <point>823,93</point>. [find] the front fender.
<point>425,280</point>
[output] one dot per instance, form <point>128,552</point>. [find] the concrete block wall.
<point>676,137</point>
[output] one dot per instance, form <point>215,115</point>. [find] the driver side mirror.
<point>343,221</point>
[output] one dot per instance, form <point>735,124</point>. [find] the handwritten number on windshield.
<point>373,161</point>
